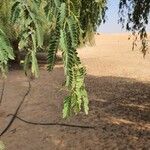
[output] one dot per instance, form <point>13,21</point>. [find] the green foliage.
<point>65,36</point>
<point>53,46</point>
<point>69,31</point>
<point>5,23</point>
<point>137,18</point>
<point>6,53</point>
<point>2,146</point>
<point>54,25</point>
<point>64,25</point>
<point>25,15</point>
<point>92,13</point>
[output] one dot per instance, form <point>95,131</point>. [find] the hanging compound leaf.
<point>6,53</point>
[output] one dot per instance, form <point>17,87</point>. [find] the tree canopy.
<point>134,14</point>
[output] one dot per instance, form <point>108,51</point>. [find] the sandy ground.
<point>118,83</point>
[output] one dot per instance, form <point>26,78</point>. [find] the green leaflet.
<point>53,46</point>
<point>15,11</point>
<point>27,62</point>
<point>73,28</point>
<point>62,16</point>
<point>57,3</point>
<point>67,107</point>
<point>2,146</point>
<point>35,68</point>
<point>76,6</point>
<point>6,53</point>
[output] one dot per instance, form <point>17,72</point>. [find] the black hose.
<point>16,112</point>
<point>2,93</point>
<point>14,116</point>
<point>52,124</point>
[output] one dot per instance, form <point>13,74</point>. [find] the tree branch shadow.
<point>120,105</point>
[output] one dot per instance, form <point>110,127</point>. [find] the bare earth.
<point>118,83</point>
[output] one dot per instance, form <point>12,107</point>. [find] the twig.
<point>52,124</point>
<point>2,93</point>
<point>17,110</point>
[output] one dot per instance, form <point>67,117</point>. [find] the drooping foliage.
<point>52,26</point>
<point>26,16</point>
<point>61,25</point>
<point>72,27</point>
<point>6,52</point>
<point>137,19</point>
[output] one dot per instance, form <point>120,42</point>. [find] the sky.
<point>111,25</point>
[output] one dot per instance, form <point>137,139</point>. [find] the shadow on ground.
<point>120,102</point>
<point>122,97</point>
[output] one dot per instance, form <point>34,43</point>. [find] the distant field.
<point>113,55</point>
